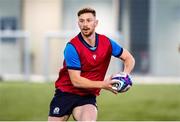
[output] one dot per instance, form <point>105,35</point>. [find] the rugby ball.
<point>123,83</point>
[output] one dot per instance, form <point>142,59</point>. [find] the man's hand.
<point>108,84</point>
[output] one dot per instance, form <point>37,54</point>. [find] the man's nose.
<point>85,23</point>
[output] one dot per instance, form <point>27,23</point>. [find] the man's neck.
<point>91,40</point>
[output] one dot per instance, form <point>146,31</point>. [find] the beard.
<point>87,32</point>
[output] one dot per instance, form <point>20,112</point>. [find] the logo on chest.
<point>94,57</point>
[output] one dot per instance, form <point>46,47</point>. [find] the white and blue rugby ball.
<point>123,83</point>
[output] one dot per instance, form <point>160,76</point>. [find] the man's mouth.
<point>85,29</point>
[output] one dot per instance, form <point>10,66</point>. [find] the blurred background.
<point>33,34</point>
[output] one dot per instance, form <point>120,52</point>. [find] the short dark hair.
<point>86,10</point>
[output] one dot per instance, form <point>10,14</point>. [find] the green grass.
<point>30,101</point>
<point>142,102</point>
<point>25,101</point>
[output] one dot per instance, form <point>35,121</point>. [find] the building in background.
<point>148,28</point>
<point>152,26</point>
<point>10,48</point>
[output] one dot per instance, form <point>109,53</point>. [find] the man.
<point>87,57</point>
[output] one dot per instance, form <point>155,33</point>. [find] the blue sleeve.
<point>116,48</point>
<point>71,57</point>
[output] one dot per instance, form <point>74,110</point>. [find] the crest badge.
<point>56,110</point>
<point>94,56</point>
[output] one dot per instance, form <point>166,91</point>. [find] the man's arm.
<point>129,61</point>
<point>81,82</point>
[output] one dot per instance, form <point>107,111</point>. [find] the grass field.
<point>30,101</point>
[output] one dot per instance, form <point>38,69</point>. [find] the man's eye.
<point>89,20</point>
<point>81,20</point>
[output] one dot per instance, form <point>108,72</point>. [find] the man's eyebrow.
<point>81,19</point>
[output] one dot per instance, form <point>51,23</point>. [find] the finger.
<point>114,81</point>
<point>114,91</point>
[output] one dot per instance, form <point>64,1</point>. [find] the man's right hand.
<point>108,84</point>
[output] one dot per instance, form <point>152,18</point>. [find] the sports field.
<point>30,101</point>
